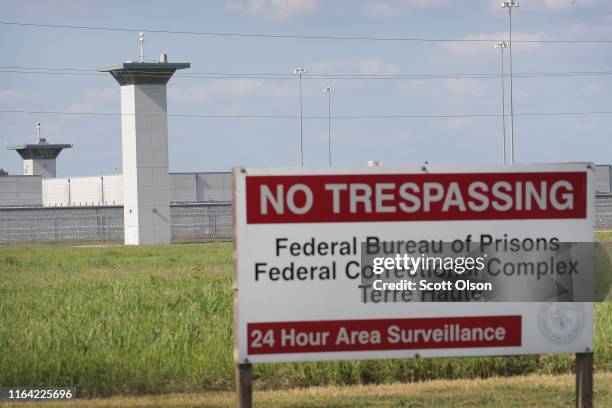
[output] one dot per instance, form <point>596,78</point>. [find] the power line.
<point>295,36</point>
<point>348,116</point>
<point>264,76</point>
<point>292,76</point>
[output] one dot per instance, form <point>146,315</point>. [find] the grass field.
<point>153,320</point>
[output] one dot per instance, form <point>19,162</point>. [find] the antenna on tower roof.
<point>141,39</point>
<point>39,138</point>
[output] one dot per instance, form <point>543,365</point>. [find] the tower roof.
<point>141,73</point>
<point>39,150</point>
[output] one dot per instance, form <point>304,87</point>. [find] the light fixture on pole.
<point>300,72</point>
<point>501,45</point>
<point>141,41</point>
<point>329,91</point>
<point>509,4</point>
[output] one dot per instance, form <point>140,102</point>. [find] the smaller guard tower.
<point>39,159</point>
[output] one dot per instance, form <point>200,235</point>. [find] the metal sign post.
<point>244,385</point>
<point>584,380</point>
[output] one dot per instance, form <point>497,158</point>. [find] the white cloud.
<point>558,4</point>
<point>464,86</point>
<point>593,90</point>
<point>280,91</point>
<point>370,66</point>
<point>18,94</point>
<point>331,65</point>
<point>398,8</point>
<point>487,41</point>
<point>381,9</point>
<point>240,86</point>
<point>232,110</point>
<point>494,6</point>
<point>375,66</point>
<point>562,4</point>
<point>452,123</point>
<point>422,4</point>
<point>416,87</point>
<point>213,90</point>
<point>49,7</point>
<point>323,138</point>
<point>274,10</point>
<point>590,30</point>
<point>103,95</point>
<point>414,84</point>
<point>96,100</point>
<point>81,107</point>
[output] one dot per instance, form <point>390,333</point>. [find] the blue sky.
<point>217,144</point>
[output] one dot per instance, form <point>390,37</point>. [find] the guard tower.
<point>144,133</point>
<point>39,158</point>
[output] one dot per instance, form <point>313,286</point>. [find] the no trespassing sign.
<point>297,239</point>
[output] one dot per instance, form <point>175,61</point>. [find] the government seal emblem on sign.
<point>561,322</point>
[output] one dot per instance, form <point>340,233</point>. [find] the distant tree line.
<point>3,172</point>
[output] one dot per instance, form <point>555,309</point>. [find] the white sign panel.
<point>297,259</point>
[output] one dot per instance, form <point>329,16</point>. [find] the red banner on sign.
<point>384,334</point>
<point>415,197</point>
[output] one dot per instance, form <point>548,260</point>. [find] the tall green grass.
<point>114,320</point>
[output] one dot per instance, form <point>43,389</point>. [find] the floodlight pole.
<point>301,71</point>
<point>329,91</point>
<point>141,41</point>
<point>501,45</point>
<point>509,4</point>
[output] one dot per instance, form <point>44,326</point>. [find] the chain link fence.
<point>190,223</point>
<point>201,222</point>
<point>603,212</point>
<point>104,224</point>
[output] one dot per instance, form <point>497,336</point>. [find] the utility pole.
<point>329,91</point>
<point>501,45</point>
<point>301,71</point>
<point>509,4</point>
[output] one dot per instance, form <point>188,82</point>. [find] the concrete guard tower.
<point>144,132</point>
<point>39,159</point>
